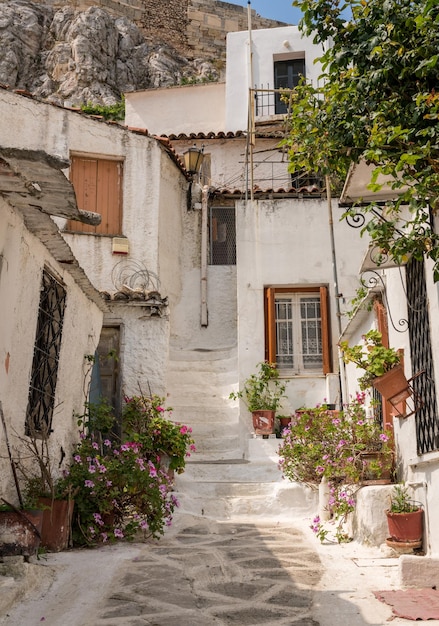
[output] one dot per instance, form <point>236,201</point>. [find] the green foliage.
<point>114,112</point>
<point>262,391</point>
<point>358,301</point>
<point>370,356</point>
<point>195,80</point>
<point>401,502</point>
<point>378,102</point>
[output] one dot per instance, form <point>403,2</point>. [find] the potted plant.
<point>43,489</point>
<point>262,393</point>
<point>382,365</point>
<point>404,519</point>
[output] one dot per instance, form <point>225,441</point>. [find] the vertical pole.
<point>251,112</point>
<point>342,370</point>
<point>204,198</point>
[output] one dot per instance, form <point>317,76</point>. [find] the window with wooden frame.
<point>297,329</point>
<point>288,70</point>
<point>98,187</point>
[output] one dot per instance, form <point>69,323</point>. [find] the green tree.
<point>377,102</point>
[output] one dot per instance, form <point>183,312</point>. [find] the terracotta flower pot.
<point>406,527</point>
<point>393,385</point>
<point>263,422</point>
<point>284,421</point>
<point>57,521</point>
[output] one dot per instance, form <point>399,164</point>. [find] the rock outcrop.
<point>74,57</point>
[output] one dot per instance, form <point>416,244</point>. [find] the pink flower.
<point>183,430</point>
<point>95,445</point>
<point>118,533</point>
<point>384,437</point>
<point>89,483</point>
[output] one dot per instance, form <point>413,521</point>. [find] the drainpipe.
<point>343,384</point>
<point>251,114</point>
<point>204,198</point>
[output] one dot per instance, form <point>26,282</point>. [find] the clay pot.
<point>57,521</point>
<point>263,422</point>
<point>20,532</point>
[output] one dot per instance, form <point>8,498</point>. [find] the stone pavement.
<point>207,573</point>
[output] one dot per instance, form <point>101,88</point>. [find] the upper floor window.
<point>222,236</point>
<point>297,329</point>
<point>287,74</point>
<point>98,188</point>
<point>46,356</point>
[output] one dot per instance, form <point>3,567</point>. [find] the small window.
<point>297,330</point>
<point>222,236</point>
<point>287,75</point>
<point>46,356</point>
<point>98,188</point>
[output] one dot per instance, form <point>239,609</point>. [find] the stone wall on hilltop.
<point>196,28</point>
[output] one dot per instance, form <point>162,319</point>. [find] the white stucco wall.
<point>154,207</point>
<point>189,108</point>
<point>265,43</point>
<point>23,257</point>
<point>287,242</point>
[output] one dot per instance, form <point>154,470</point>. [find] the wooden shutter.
<point>98,188</point>
<point>270,328</point>
<point>326,346</point>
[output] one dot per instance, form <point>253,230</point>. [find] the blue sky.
<point>275,9</point>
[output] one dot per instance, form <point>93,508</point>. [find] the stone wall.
<point>195,28</point>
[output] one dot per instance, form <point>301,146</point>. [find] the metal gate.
<point>421,356</point>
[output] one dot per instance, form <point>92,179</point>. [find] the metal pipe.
<point>251,113</point>
<point>204,198</point>
<point>342,369</point>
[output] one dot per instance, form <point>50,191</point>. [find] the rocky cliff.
<point>75,57</point>
<point>91,51</point>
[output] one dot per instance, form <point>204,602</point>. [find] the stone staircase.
<point>229,476</point>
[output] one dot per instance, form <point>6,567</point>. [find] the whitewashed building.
<point>51,315</point>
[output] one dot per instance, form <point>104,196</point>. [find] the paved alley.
<point>207,573</point>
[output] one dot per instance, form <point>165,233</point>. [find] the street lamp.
<point>193,159</point>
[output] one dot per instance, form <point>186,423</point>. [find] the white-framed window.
<point>297,329</point>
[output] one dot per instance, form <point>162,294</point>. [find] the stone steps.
<point>218,482</point>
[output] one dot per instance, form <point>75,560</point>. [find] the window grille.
<point>299,332</point>
<point>427,425</point>
<point>222,236</point>
<point>46,356</point>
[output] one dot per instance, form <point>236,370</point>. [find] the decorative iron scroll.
<point>371,279</point>
<point>355,220</point>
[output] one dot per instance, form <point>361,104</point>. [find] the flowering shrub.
<point>331,445</point>
<point>121,488</point>
<point>144,421</point>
